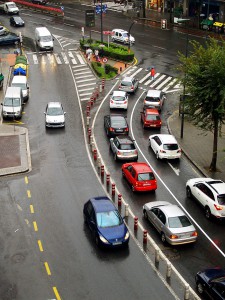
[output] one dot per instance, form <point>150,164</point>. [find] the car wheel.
<point>188,192</point>
<point>157,155</point>
<point>207,212</point>
<point>133,189</point>
<point>163,237</point>
<point>107,132</point>
<point>145,215</point>
<point>115,157</point>
<point>200,288</point>
<point>123,174</point>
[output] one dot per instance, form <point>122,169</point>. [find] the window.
<point>170,147</point>
<point>152,117</point>
<point>108,219</point>
<point>127,147</point>
<point>162,217</point>
<point>179,222</point>
<point>221,199</point>
<point>146,176</point>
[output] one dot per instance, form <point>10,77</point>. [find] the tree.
<point>204,79</point>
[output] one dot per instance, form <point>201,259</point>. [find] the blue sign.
<point>98,9</point>
<point>62,8</point>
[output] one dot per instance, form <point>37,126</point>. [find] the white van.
<point>12,105</point>
<point>43,38</point>
<point>21,81</point>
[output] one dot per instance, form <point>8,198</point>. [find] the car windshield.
<point>221,199</point>
<point>54,111</point>
<point>118,123</point>
<point>127,147</point>
<point>47,38</point>
<point>17,19</point>
<point>179,222</point>
<point>126,83</point>
<point>12,102</point>
<point>118,98</point>
<point>146,176</point>
<point>152,99</point>
<point>170,147</point>
<point>152,117</point>
<point>109,219</point>
<point>11,5</point>
<point>125,35</point>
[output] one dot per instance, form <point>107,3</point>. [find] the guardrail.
<point>42,8</point>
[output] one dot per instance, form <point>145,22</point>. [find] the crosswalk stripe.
<point>50,58</point>
<point>147,82</point>
<point>65,58</point>
<point>35,59</point>
<point>135,73</point>
<point>80,59</point>
<point>90,83</point>
<point>83,90</point>
<point>85,94</point>
<point>163,83</point>
<point>144,78</point>
<point>84,80</point>
<point>158,80</point>
<point>169,85</point>
<point>89,75</point>
<point>57,58</point>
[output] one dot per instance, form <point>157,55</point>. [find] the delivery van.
<point>21,81</point>
<point>12,105</point>
<point>43,38</point>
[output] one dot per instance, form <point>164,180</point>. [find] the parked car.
<point>118,99</point>
<point>105,222</point>
<point>164,146</point>
<point>211,282</point>
<point>54,115</point>
<point>40,2</point>
<point>115,125</point>
<point>154,99</point>
<point>171,222</point>
<point>150,118</point>
<point>123,148</point>
<point>9,39</point>
<point>16,21</point>
<point>140,176</point>
<point>210,193</point>
<point>122,36</point>
<point>129,84</point>
<point>2,30</point>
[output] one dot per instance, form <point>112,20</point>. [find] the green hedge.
<point>106,71</point>
<point>114,51</point>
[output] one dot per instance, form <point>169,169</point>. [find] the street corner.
<point>8,59</point>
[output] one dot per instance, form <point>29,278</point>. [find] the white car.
<point>54,115</point>
<point>210,193</point>
<point>118,99</point>
<point>2,30</point>
<point>120,35</point>
<point>154,99</point>
<point>164,146</point>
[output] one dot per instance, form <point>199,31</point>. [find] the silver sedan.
<point>171,222</point>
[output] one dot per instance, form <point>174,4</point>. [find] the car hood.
<point>113,233</point>
<point>11,109</point>
<point>55,119</point>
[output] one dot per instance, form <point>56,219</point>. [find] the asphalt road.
<point>62,180</point>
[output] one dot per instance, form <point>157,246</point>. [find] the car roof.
<point>102,204</point>
<point>126,78</point>
<point>153,93</point>
<point>121,30</point>
<point>217,185</point>
<point>54,104</point>
<point>170,210</point>
<point>119,93</point>
<point>151,111</point>
<point>141,167</point>
<point>117,117</point>
<point>166,138</point>
<point>125,139</point>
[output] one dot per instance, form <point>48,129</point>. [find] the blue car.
<point>212,283</point>
<point>105,222</point>
<point>9,39</point>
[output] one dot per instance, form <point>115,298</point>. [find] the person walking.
<point>152,72</point>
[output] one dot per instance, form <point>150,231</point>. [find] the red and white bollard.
<point>102,170</point>
<point>119,199</point>
<point>145,236</point>
<point>135,223</point>
<point>94,96</point>
<point>95,154</point>
<point>89,135</point>
<point>107,179</point>
<point>103,84</point>
<point>97,92</point>
<point>113,189</point>
<point>92,100</point>
<point>88,110</point>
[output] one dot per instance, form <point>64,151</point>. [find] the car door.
<point>155,143</point>
<point>106,122</point>
<point>130,173</point>
<point>160,221</point>
<point>217,291</point>
<point>199,191</point>
<point>114,145</point>
<point>91,220</point>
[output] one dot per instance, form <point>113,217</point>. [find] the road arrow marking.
<point>176,170</point>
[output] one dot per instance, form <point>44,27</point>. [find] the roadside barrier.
<point>135,223</point>
<point>42,8</point>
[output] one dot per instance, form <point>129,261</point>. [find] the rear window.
<point>179,222</point>
<point>127,147</point>
<point>152,117</point>
<point>221,199</point>
<point>118,98</point>
<point>152,99</point>
<point>146,176</point>
<point>170,147</point>
<point>118,123</point>
<point>126,83</point>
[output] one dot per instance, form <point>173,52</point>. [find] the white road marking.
<point>65,58</point>
<point>35,59</point>
<point>149,81</point>
<point>177,171</point>
<point>57,58</point>
<point>163,83</point>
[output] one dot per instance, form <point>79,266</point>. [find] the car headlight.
<point>127,235</point>
<point>103,239</point>
<point>17,112</point>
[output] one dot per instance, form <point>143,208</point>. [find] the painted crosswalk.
<point>67,43</point>
<point>64,57</point>
<point>162,81</point>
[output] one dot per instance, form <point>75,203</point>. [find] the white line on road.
<point>176,170</point>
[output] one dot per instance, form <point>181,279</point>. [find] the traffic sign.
<point>104,60</point>
<point>107,32</point>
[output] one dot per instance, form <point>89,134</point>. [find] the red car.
<point>150,118</point>
<point>140,176</point>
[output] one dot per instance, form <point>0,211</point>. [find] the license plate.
<point>117,243</point>
<point>145,184</point>
<point>119,130</point>
<point>153,125</point>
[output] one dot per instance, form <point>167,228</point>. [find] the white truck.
<point>9,8</point>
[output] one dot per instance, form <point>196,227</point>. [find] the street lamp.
<point>129,34</point>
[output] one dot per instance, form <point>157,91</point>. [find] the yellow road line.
<point>35,226</point>
<point>56,293</point>
<point>47,268</point>
<point>28,194</point>
<point>135,61</point>
<point>31,209</point>
<point>40,245</point>
<point>26,179</point>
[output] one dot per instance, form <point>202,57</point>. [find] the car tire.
<point>207,212</point>
<point>188,192</point>
<point>163,237</point>
<point>107,132</point>
<point>200,288</point>
<point>143,125</point>
<point>132,187</point>
<point>157,155</point>
<point>123,174</point>
<point>115,157</point>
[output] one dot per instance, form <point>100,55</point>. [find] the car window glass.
<point>162,217</point>
<point>179,222</point>
<point>209,193</point>
<point>129,168</point>
<point>155,211</point>
<point>54,111</point>
<point>118,122</point>
<point>170,147</point>
<point>219,289</point>
<point>157,139</point>
<point>221,199</point>
<point>152,117</point>
<point>108,219</point>
<point>133,173</point>
<point>152,99</point>
<point>117,144</point>
<point>146,176</point>
<point>127,147</point>
<point>89,208</point>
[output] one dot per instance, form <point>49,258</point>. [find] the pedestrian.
<point>89,53</point>
<point>96,54</point>
<point>152,73</point>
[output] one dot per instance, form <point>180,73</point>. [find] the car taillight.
<point>132,88</point>
<point>135,151</point>
<point>125,102</point>
<point>194,233</point>
<point>118,152</point>
<point>218,207</point>
<point>126,129</point>
<point>173,236</point>
<point>111,101</point>
<point>179,151</point>
<point>162,151</point>
<point>111,129</point>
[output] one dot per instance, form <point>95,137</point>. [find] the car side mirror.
<point>64,112</point>
<point>44,113</point>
